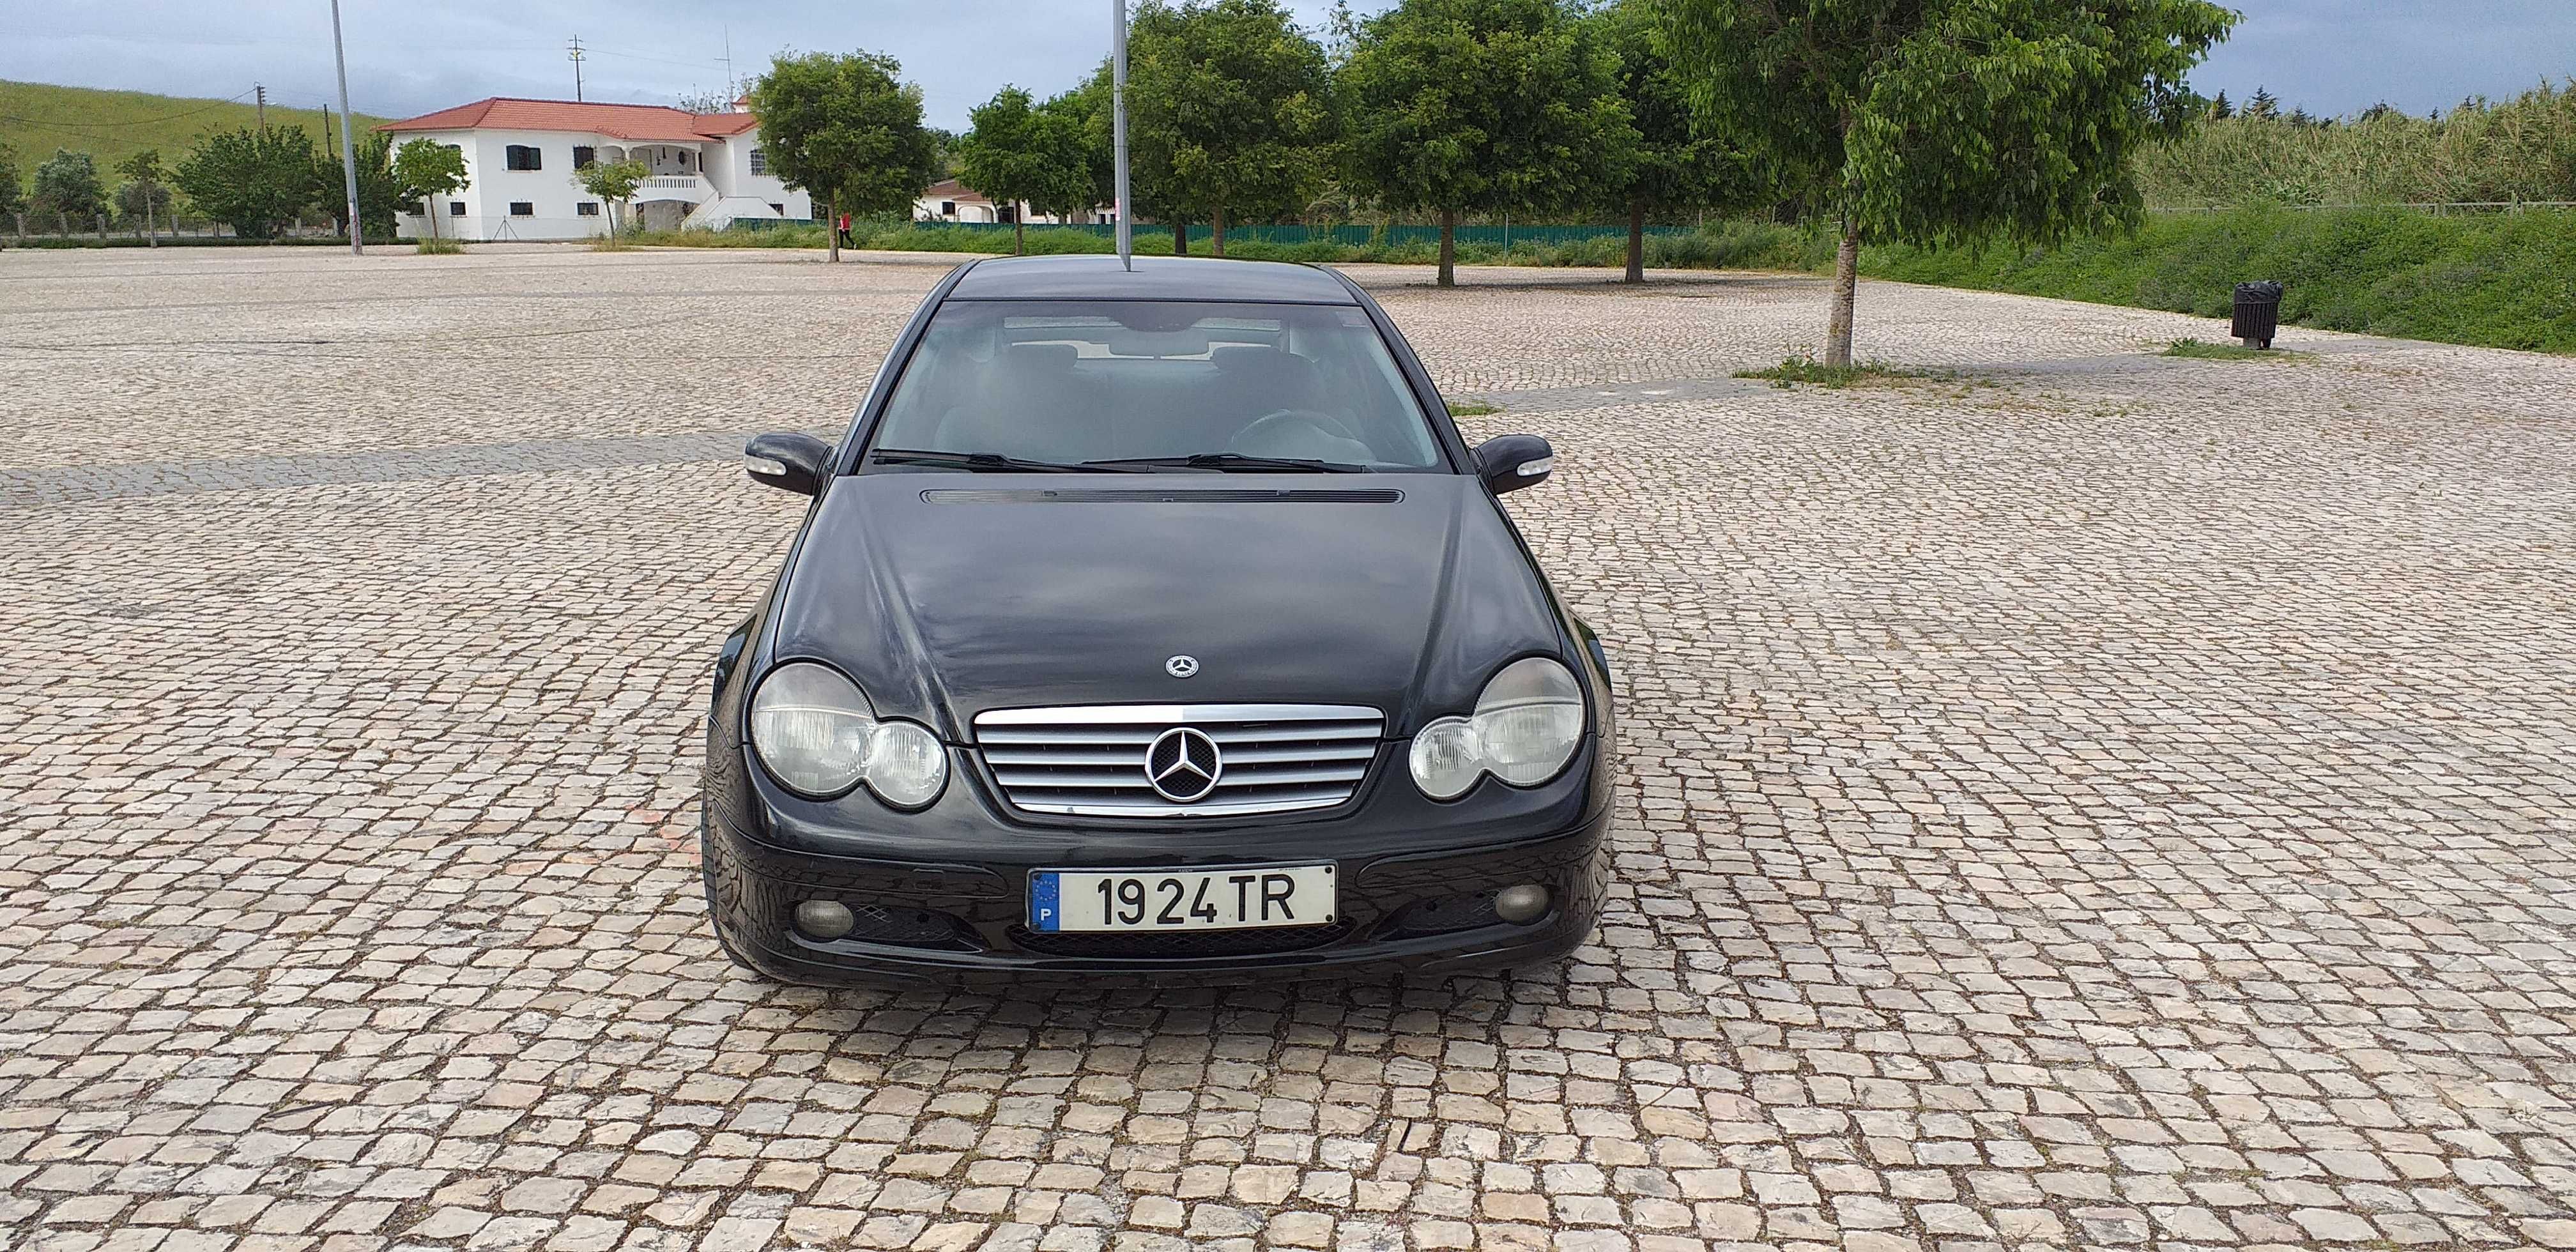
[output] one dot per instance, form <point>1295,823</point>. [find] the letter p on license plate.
<point>1211,899</point>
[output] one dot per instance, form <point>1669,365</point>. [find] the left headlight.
<point>1526,726</point>
<point>819,737</point>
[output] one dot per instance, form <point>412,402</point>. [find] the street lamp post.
<point>1118,128</point>
<point>348,151</point>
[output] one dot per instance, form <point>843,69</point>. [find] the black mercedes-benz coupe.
<point>1154,620</point>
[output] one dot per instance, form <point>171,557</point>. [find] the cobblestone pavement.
<point>2102,801</point>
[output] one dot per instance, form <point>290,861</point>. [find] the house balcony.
<point>689,188</point>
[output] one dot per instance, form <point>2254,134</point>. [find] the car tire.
<point>723,881</point>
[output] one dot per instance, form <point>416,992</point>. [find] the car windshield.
<point>1023,384</point>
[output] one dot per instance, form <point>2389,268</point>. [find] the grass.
<point>1808,371</point>
<point>440,247</point>
<point>113,125</point>
<point>612,243</point>
<point>1472,408</point>
<point>2203,350</point>
<point>2505,280</point>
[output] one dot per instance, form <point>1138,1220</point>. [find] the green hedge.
<point>2504,280</point>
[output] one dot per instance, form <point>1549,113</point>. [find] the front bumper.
<point>1418,912</point>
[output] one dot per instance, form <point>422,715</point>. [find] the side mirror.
<point>787,462</point>
<point>1511,462</point>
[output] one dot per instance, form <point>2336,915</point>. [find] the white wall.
<point>729,167</point>
<point>491,186</point>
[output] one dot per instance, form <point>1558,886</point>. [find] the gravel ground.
<point>2094,800</point>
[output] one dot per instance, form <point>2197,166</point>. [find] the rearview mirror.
<point>1511,462</point>
<point>787,462</point>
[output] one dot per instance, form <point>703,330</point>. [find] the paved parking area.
<point>2113,801</point>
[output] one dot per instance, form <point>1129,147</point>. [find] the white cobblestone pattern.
<point>2124,803</point>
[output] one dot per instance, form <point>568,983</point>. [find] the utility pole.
<point>575,56</point>
<point>732,92</point>
<point>262,92</point>
<point>348,151</point>
<point>1118,128</point>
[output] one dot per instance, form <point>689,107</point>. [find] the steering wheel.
<point>1289,419</point>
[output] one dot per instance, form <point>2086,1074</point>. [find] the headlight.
<point>819,737</point>
<point>906,765</point>
<point>1525,728</point>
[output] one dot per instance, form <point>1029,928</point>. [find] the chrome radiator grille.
<point>1092,761</point>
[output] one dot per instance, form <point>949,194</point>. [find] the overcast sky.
<point>2332,56</point>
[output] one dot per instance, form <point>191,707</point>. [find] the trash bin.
<point>2258,313</point>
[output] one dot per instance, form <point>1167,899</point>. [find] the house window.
<point>948,208</point>
<point>759,161</point>
<point>522,208</point>
<point>587,208</point>
<point>456,208</point>
<point>522,157</point>
<point>584,158</point>
<point>777,208</point>
<point>684,158</point>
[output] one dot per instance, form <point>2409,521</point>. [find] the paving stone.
<point>2096,799</point>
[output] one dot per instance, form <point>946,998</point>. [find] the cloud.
<point>2332,56</point>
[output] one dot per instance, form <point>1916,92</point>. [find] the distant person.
<point>842,230</point>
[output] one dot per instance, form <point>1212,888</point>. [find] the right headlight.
<point>1526,726</point>
<point>818,736</point>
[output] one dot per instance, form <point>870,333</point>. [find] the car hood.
<point>945,595</point>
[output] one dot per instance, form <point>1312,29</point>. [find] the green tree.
<point>68,184</point>
<point>381,196</point>
<point>1024,156</point>
<point>13,193</point>
<point>425,169</point>
<point>1084,113</point>
<point>1481,106</point>
<point>1944,121</point>
<point>1673,166</point>
<point>1229,109</point>
<point>614,182</point>
<point>146,190</point>
<point>254,179</point>
<point>843,129</point>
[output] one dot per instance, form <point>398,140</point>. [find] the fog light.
<point>1524,903</point>
<point>830,919</point>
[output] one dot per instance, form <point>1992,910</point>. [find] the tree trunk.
<point>1180,237</point>
<point>1216,230</point>
<point>429,214</point>
<point>832,230</point>
<point>1448,247</point>
<point>1636,243</point>
<point>1838,328</point>
<point>1020,231</point>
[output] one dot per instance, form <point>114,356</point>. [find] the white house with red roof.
<point>520,155</point>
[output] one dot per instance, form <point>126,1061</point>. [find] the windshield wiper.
<point>985,461</point>
<point>1238,462</point>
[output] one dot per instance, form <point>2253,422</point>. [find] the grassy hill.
<point>36,118</point>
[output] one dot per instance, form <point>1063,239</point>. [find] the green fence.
<point>1407,233</point>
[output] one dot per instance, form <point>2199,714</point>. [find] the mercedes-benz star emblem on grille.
<point>1182,765</point>
<point>1181,666</point>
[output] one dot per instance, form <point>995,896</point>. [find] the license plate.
<point>1215,899</point>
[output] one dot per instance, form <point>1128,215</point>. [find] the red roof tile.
<point>647,123</point>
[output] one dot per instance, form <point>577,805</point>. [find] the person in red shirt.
<point>844,231</point>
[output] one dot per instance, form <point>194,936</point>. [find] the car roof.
<point>1097,277</point>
